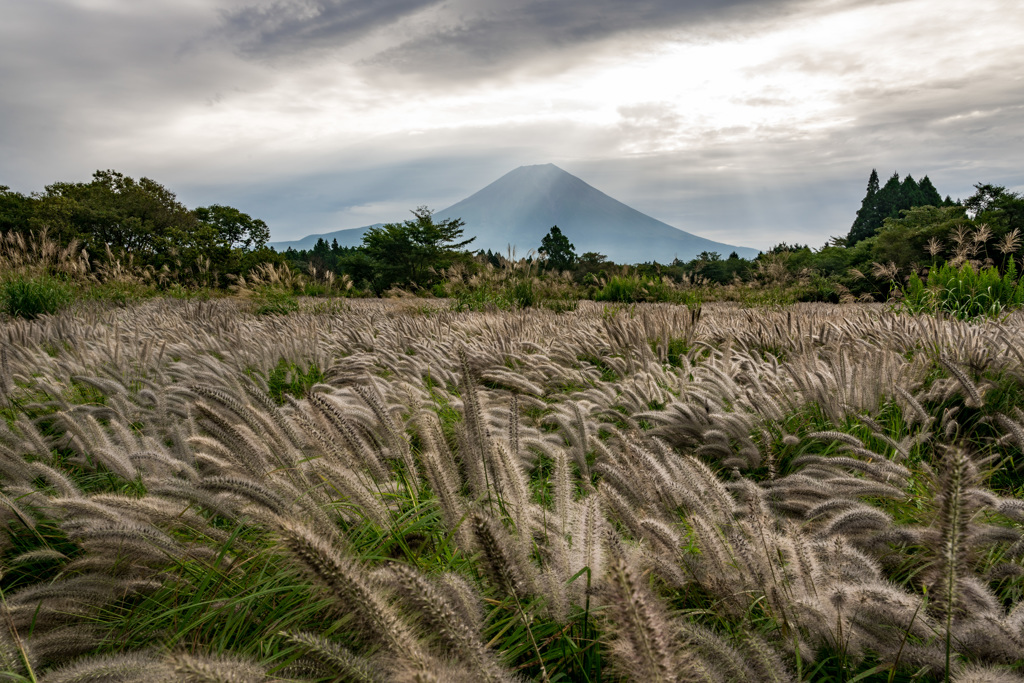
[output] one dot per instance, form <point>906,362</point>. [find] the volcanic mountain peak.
<point>519,208</point>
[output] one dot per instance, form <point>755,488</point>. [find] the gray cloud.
<point>77,80</point>
<point>806,187</point>
<point>289,26</point>
<point>470,38</point>
<point>116,87</point>
<point>790,188</point>
<point>535,32</point>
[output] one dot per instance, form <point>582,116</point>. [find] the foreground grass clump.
<point>384,491</point>
<point>30,297</point>
<point>964,292</point>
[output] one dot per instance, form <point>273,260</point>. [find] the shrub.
<point>30,297</point>
<point>316,289</point>
<point>963,292</point>
<point>619,289</point>
<point>822,289</point>
<point>290,378</point>
<point>121,293</point>
<point>481,299</point>
<point>635,289</point>
<point>523,294</point>
<point>272,301</point>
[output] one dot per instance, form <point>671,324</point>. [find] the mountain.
<point>519,208</point>
<point>353,237</point>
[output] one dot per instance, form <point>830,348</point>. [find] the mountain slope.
<point>353,237</point>
<point>519,208</point>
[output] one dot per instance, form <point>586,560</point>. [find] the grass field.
<point>390,490</point>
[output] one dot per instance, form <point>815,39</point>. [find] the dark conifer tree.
<point>929,195</point>
<point>873,184</point>
<point>862,226</point>
<point>910,195</point>
<point>887,202</point>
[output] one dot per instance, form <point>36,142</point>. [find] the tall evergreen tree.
<point>862,225</point>
<point>873,184</point>
<point>886,202</point>
<point>889,201</point>
<point>929,195</point>
<point>910,195</point>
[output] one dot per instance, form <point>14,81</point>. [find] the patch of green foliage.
<point>31,297</point>
<point>965,293</point>
<point>481,299</point>
<point>123,293</point>
<point>560,305</point>
<point>608,373</point>
<point>639,289</point>
<point>274,301</point>
<point>523,294</point>
<point>290,378</point>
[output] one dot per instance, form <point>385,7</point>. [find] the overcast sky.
<point>744,121</point>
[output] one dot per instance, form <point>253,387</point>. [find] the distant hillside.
<point>353,237</point>
<point>519,208</point>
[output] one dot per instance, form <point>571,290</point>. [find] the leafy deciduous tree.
<point>408,252</point>
<point>234,229</point>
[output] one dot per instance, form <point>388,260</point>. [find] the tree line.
<point>115,217</point>
<point>902,227</point>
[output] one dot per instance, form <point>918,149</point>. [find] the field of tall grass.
<point>392,490</point>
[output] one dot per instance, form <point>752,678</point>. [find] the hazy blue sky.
<point>744,121</point>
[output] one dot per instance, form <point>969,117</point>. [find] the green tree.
<point>141,217</point>
<point>888,202</point>
<point>557,249</point>
<point>414,251</point>
<point>905,240</point>
<point>591,266</point>
<point>234,229</point>
<point>985,195</point>
<point>1000,209</point>
<point>868,210</point>
<point>910,193</point>
<point>227,238</point>
<point>15,210</point>
<point>884,205</point>
<point>145,219</point>
<point>358,265</point>
<point>929,195</point>
<point>709,265</point>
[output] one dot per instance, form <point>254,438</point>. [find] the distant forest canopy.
<point>902,227</point>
